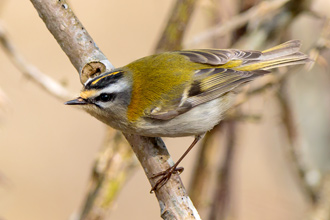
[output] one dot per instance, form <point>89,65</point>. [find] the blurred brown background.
<point>47,148</point>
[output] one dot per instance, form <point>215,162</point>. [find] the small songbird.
<point>179,93</point>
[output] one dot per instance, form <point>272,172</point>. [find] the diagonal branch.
<point>90,61</point>
<point>173,199</point>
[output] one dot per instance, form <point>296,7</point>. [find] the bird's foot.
<point>165,176</point>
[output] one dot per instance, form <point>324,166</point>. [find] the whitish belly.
<point>196,121</point>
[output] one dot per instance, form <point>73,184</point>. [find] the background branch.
<point>269,29</point>
<point>200,181</point>
<point>172,36</point>
<point>221,197</point>
<point>112,168</point>
<point>106,182</point>
<point>31,72</point>
<point>299,169</point>
<point>257,12</point>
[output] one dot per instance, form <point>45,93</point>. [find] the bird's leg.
<point>166,174</point>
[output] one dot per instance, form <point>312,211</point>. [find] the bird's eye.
<point>105,97</point>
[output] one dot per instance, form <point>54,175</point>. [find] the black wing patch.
<point>208,85</point>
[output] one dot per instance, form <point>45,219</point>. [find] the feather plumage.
<point>224,71</point>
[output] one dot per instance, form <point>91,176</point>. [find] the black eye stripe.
<point>105,97</point>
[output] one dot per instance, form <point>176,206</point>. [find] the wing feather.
<point>214,83</point>
<point>219,57</point>
<point>224,70</point>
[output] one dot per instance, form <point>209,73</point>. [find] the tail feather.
<point>293,59</point>
<point>285,54</point>
<point>287,48</point>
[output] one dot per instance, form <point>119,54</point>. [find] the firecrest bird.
<point>179,93</point>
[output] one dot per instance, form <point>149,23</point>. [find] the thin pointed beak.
<point>77,101</point>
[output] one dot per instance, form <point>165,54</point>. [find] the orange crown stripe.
<point>112,73</point>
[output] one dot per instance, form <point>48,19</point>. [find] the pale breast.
<point>198,120</point>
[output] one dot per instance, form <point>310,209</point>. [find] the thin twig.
<point>240,117</point>
<point>48,84</point>
<point>323,43</point>
<point>265,8</point>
